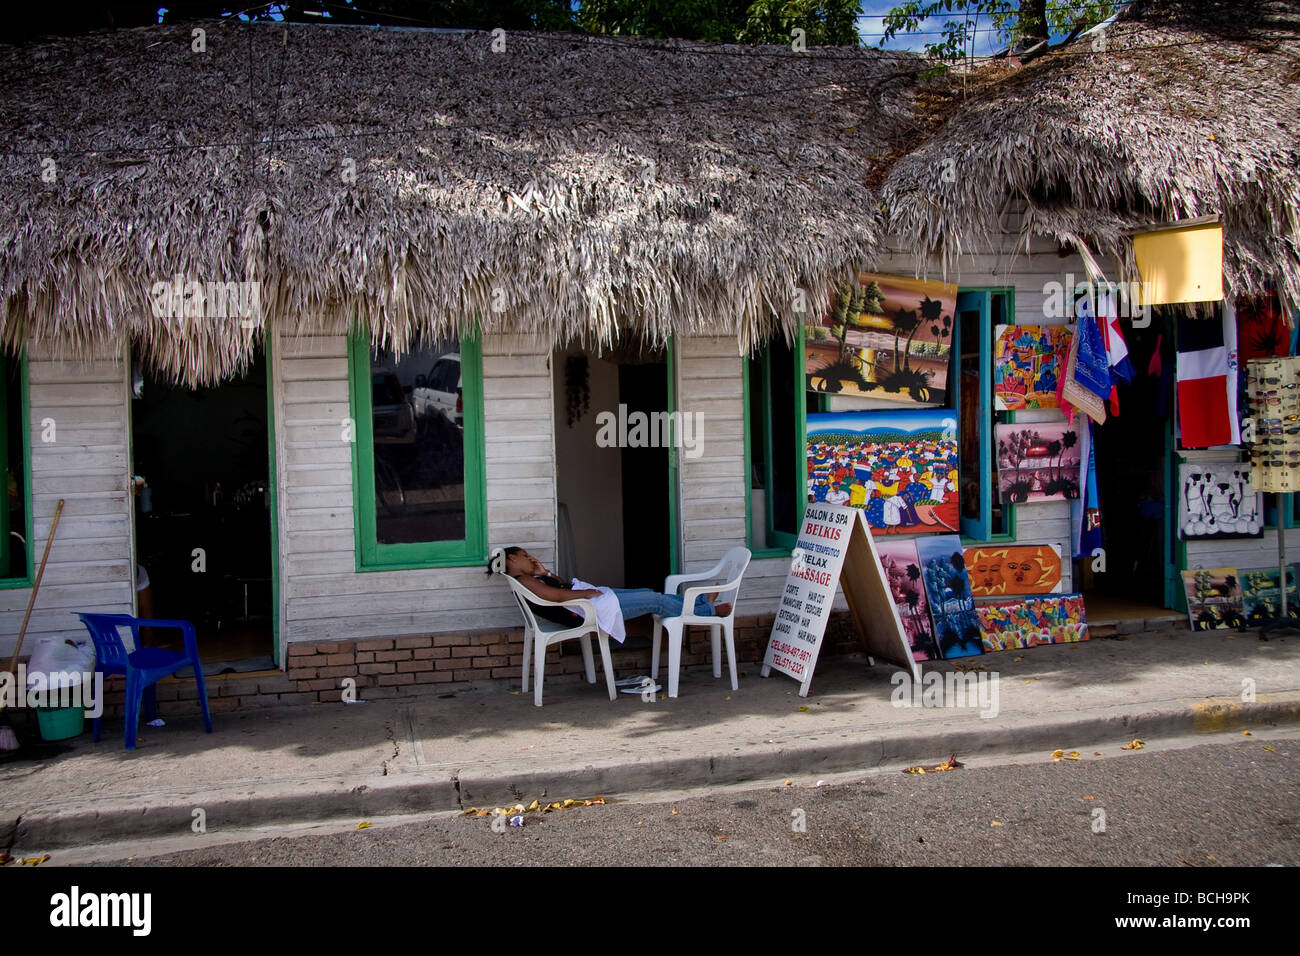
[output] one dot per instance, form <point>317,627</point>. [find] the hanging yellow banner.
<point>1181,265</point>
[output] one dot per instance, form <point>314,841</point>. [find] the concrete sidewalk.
<point>493,747</point>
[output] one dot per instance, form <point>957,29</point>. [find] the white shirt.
<point>608,613</point>
<point>836,497</point>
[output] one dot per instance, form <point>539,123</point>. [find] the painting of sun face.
<point>1016,569</point>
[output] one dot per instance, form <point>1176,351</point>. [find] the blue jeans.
<point>635,602</point>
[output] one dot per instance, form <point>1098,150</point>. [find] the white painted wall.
<point>324,597</point>
<point>90,566</point>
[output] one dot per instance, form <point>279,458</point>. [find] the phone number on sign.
<point>797,653</point>
<point>785,663</point>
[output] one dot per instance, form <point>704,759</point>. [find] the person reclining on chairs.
<point>632,602</point>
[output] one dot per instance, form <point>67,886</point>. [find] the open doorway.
<point>613,466</point>
<point>203,514</point>
<point>1133,477</point>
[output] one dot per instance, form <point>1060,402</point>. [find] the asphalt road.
<point>1228,803</point>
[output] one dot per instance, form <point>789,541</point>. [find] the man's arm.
<point>548,593</point>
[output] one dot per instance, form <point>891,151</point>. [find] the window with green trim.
<point>979,313</point>
<point>418,459</point>
<point>774,447</point>
<point>15,554</point>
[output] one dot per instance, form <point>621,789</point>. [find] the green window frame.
<point>371,555</point>
<point>981,299</point>
<point>9,541</point>
<point>779,543</point>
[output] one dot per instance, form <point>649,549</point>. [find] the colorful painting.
<point>1261,600</point>
<point>947,590</point>
<point>900,468</point>
<point>1011,625</point>
<point>902,569</point>
<point>1213,599</point>
<point>1217,500</point>
<point>884,337</point>
<point>1038,462</point>
<point>1027,364</point>
<point>1015,569</point>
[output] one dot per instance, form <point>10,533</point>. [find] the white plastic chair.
<point>541,634</point>
<point>724,578</point>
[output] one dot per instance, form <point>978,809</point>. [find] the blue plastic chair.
<point>143,667</point>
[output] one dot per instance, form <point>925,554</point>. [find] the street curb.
<point>245,804</point>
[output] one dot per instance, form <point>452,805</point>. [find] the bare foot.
<point>722,610</point>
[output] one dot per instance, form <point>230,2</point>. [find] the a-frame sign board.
<point>834,546</point>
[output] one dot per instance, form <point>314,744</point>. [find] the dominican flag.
<point>1121,369</point>
<point>1206,372</point>
<point>1117,360</point>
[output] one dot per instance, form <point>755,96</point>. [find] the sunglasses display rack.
<point>1273,432</point>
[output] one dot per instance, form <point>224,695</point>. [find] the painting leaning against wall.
<point>947,589</point>
<point>883,337</point>
<point>902,571</point>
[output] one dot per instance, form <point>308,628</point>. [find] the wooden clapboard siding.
<point>91,567</point>
<point>1242,553</point>
<point>712,484</point>
<point>323,596</point>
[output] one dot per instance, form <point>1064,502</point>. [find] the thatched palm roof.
<point>565,185</point>
<point>1185,109</point>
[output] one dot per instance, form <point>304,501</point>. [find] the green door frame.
<point>674,487</point>
<point>273,490</point>
<point>24,435</point>
<point>779,543</point>
<point>976,530</point>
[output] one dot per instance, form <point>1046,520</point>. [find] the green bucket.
<point>60,723</point>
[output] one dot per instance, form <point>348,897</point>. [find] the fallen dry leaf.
<point>1269,749</point>
<point>1247,733</point>
<point>33,860</point>
<point>789,783</point>
<point>1073,755</point>
<point>997,823</point>
<point>1089,796</point>
<point>363,825</point>
<point>674,811</point>
<point>804,710</point>
<point>1057,755</point>
<point>950,764</point>
<point>1136,744</point>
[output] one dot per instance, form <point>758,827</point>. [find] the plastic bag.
<point>64,662</point>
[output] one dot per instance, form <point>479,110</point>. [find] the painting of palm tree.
<point>1038,462</point>
<point>889,337</point>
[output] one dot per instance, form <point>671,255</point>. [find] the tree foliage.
<point>1010,20</point>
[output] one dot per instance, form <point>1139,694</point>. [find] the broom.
<point>8,739</point>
